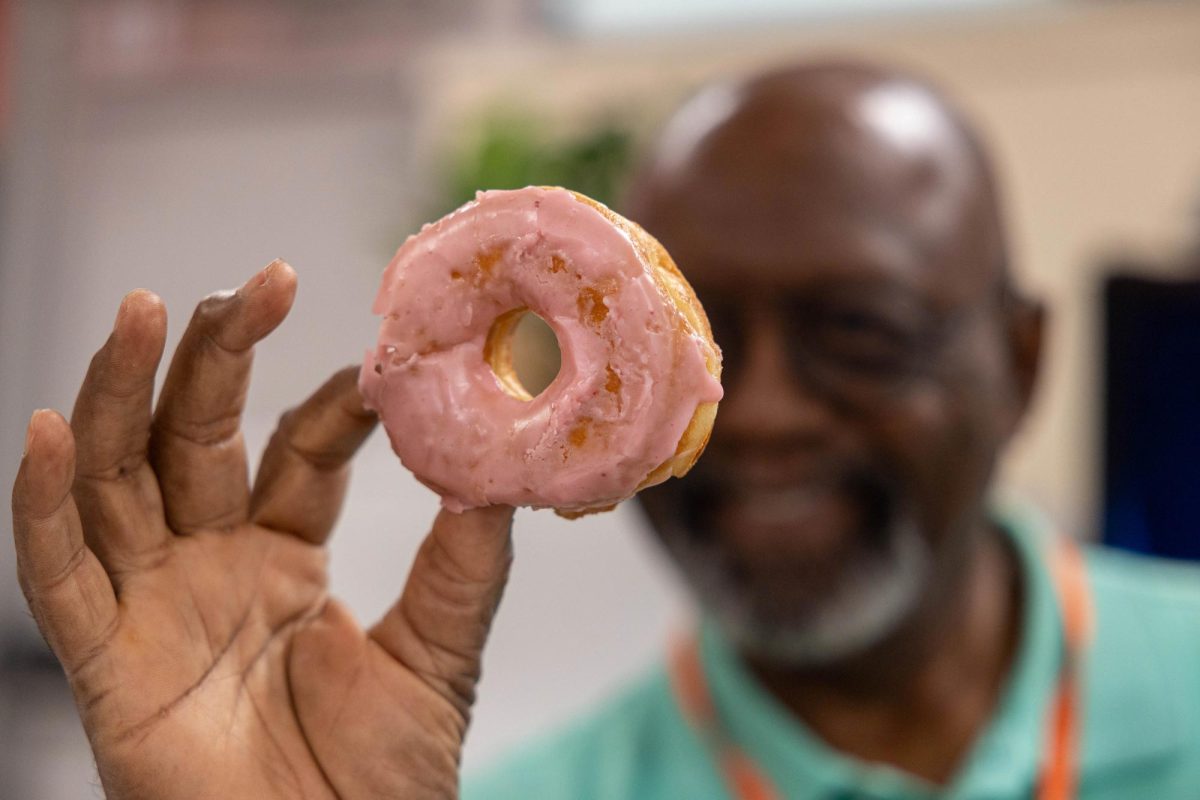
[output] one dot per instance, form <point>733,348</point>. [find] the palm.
<point>221,609</point>
<point>220,667</point>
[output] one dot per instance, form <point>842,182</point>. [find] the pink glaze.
<point>627,388</point>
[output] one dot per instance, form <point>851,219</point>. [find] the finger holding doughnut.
<point>301,482</point>
<point>196,442</point>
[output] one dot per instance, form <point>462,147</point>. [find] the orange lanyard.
<point>1059,771</point>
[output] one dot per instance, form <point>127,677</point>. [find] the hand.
<point>190,611</point>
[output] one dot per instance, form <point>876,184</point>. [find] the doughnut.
<point>636,394</point>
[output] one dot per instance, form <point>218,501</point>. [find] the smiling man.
<point>873,628</point>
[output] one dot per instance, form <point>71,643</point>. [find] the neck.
<point>918,700</point>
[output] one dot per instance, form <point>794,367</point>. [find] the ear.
<point>1025,324</point>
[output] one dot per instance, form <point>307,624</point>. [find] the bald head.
<point>818,160</point>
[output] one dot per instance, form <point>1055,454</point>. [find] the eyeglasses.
<point>855,346</point>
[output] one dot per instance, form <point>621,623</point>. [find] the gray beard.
<point>874,597</point>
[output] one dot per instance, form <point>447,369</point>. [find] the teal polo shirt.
<point>1141,711</point>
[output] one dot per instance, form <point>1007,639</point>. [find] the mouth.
<point>813,517</point>
<point>814,523</point>
<point>783,506</point>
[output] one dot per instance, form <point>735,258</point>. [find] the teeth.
<point>782,506</point>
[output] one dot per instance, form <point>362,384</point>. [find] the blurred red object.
<point>6,59</point>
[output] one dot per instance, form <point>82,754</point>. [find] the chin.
<point>870,599</point>
<point>809,598</point>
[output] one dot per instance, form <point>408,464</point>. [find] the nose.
<point>766,401</point>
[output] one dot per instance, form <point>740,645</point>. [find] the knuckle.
<point>212,309</point>
<point>346,375</point>
<point>96,647</point>
<point>207,433</point>
<point>59,577</point>
<point>119,469</point>
<point>35,507</point>
<point>99,358</point>
<point>193,520</point>
<point>210,325</point>
<point>288,421</point>
<point>119,387</point>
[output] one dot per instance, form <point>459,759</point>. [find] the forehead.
<point>822,250</point>
<point>777,200</point>
<point>825,248</point>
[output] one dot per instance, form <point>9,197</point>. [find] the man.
<point>872,630</point>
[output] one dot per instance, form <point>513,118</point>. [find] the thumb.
<point>439,625</point>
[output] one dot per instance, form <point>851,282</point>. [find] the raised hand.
<point>190,609</point>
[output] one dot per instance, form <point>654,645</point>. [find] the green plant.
<point>511,152</point>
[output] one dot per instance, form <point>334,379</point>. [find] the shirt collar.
<point>1004,761</point>
<point>1128,721</point>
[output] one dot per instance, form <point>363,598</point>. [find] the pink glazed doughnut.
<point>636,395</point>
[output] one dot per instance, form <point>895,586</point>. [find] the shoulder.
<point>1142,689</point>
<point>1154,592</point>
<point>1147,611</point>
<point>1138,600</point>
<point>609,753</point>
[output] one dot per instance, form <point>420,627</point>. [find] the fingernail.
<point>122,310</point>
<point>262,278</point>
<point>127,303</point>
<point>30,433</point>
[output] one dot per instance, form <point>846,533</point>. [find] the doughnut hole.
<point>523,352</point>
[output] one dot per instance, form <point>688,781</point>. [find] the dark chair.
<point>1151,498</point>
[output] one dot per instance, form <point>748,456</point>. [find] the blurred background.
<point>180,145</point>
